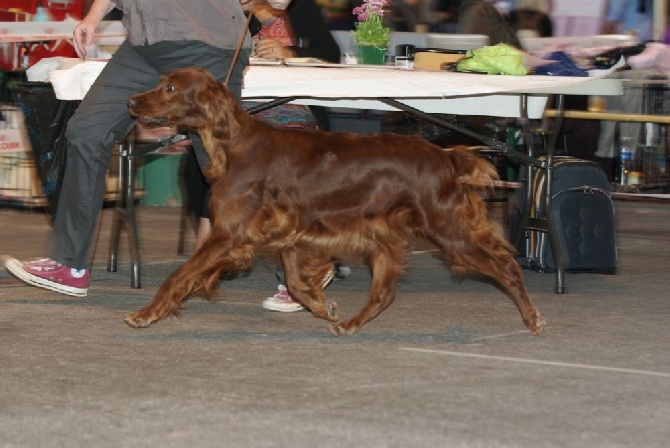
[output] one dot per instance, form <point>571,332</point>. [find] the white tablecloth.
<point>346,86</point>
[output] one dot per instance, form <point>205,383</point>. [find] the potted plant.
<point>371,37</point>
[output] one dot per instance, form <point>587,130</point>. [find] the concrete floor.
<point>450,364</point>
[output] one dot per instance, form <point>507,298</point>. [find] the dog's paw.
<point>136,320</point>
<point>341,329</point>
<point>536,323</point>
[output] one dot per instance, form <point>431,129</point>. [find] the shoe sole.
<point>15,267</point>
<point>282,307</point>
<point>328,278</point>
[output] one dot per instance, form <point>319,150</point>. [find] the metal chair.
<point>124,216</point>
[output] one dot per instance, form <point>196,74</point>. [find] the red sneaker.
<point>49,274</point>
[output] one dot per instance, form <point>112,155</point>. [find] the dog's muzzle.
<point>133,105</point>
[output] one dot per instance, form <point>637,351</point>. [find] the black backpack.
<point>583,215</point>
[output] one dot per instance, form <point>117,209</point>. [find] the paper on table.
<point>71,77</point>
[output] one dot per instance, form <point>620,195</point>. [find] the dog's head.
<point>190,98</point>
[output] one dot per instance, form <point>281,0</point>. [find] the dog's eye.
<point>169,88</point>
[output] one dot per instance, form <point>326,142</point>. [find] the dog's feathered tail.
<point>479,172</point>
<point>476,177</point>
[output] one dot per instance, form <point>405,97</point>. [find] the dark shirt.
<point>311,30</point>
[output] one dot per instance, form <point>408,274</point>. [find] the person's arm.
<point>310,27</point>
<point>83,33</point>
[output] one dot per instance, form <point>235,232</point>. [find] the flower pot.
<point>371,55</point>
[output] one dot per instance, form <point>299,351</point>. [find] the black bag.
<point>583,215</point>
<point>45,120</point>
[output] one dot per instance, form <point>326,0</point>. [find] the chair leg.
<point>131,217</point>
<point>124,214</point>
<point>118,217</point>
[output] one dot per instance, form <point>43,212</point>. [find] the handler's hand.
<point>82,36</point>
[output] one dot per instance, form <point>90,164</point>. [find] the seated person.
<point>481,17</point>
<point>528,19</point>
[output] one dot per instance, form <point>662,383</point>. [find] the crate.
<point>653,151</point>
<point>19,184</point>
<point>650,170</point>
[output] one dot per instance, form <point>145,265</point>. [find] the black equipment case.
<point>583,216</point>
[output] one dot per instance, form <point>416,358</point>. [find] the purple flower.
<point>370,30</point>
<point>370,9</point>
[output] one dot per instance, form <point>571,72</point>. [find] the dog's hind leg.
<point>483,249</point>
<point>385,271</point>
<point>506,271</point>
<point>305,273</point>
<point>199,273</point>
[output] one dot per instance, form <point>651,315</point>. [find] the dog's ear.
<point>230,108</point>
<point>200,100</point>
<point>213,106</point>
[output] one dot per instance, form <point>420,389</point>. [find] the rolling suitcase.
<point>583,215</point>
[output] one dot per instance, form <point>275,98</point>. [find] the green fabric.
<point>501,59</point>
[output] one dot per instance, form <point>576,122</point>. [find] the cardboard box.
<point>13,140</point>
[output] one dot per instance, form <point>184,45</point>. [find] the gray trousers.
<point>102,119</point>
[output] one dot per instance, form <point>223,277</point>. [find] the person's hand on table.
<point>270,48</point>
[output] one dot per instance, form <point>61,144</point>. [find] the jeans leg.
<point>101,119</point>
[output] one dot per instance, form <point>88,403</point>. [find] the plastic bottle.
<point>42,14</point>
<point>625,160</point>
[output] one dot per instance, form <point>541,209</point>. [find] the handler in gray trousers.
<point>162,36</point>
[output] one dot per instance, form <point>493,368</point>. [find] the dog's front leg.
<point>166,302</point>
<point>200,272</point>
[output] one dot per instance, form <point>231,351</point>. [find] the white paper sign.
<point>579,8</point>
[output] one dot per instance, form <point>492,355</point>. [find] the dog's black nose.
<point>131,103</point>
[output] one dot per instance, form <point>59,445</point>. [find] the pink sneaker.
<point>49,274</point>
<point>283,302</point>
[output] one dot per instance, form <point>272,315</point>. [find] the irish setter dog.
<point>312,196</point>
